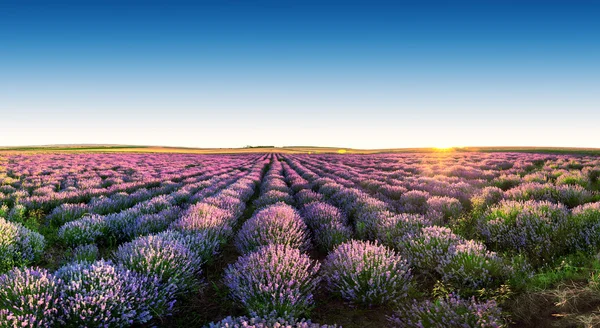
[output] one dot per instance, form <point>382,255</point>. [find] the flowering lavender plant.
<point>19,246</point>
<point>101,293</point>
<point>329,226</point>
<point>395,229</point>
<point>441,209</point>
<point>427,251</point>
<point>205,217</point>
<point>272,197</point>
<point>470,265</point>
<point>451,311</point>
<point>85,253</point>
<point>30,297</point>
<point>276,280</point>
<point>537,229</point>
<point>276,224</point>
<point>366,273</point>
<point>84,231</point>
<point>168,256</point>
<point>260,322</point>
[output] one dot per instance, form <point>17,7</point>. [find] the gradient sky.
<point>363,75</point>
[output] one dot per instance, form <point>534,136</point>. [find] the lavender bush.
<point>170,256</point>
<point>215,221</point>
<point>83,231</point>
<point>102,294</point>
<point>451,311</point>
<point>272,197</point>
<point>470,265</point>
<point>276,280</point>
<point>85,253</point>
<point>328,225</point>
<point>30,297</point>
<point>427,251</point>
<point>394,230</point>
<point>536,229</point>
<point>276,224</point>
<point>366,273</point>
<point>19,246</point>
<point>259,322</point>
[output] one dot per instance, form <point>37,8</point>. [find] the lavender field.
<point>441,239</point>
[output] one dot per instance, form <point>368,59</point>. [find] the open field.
<point>173,237</point>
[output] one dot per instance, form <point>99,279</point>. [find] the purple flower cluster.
<point>451,311</point>
<point>275,280</point>
<point>307,196</point>
<point>393,230</point>
<point>414,201</point>
<point>83,231</point>
<point>172,257</point>
<point>30,298</point>
<point>275,224</point>
<point>428,250</point>
<point>537,229</point>
<point>366,273</point>
<point>441,209</point>
<point>272,197</point>
<point>209,218</point>
<point>585,235</point>
<point>470,265</point>
<point>85,253</point>
<point>103,294</point>
<point>328,225</point>
<point>19,246</point>
<point>487,197</point>
<point>260,322</point>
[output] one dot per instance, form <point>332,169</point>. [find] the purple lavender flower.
<point>366,273</point>
<point>275,224</point>
<point>395,229</point>
<point>19,246</point>
<point>328,225</point>
<point>101,293</point>
<point>171,256</point>
<point>307,196</point>
<point>205,217</point>
<point>414,201</point>
<point>259,322</point>
<point>84,231</point>
<point>30,297</point>
<point>451,311</point>
<point>441,209</point>
<point>470,265</point>
<point>487,197</point>
<point>536,229</point>
<point>427,250</point>
<point>272,197</point>
<point>275,280</point>
<point>85,253</point>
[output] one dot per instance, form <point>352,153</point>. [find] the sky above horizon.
<point>368,74</point>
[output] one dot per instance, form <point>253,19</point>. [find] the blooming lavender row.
<point>83,294</point>
<point>19,246</point>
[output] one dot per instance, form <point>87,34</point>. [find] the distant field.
<point>291,150</point>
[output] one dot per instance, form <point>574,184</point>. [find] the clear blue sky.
<point>231,73</point>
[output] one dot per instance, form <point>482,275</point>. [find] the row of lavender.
<point>22,246</point>
<point>144,276</point>
<point>407,246</point>
<point>276,278</point>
